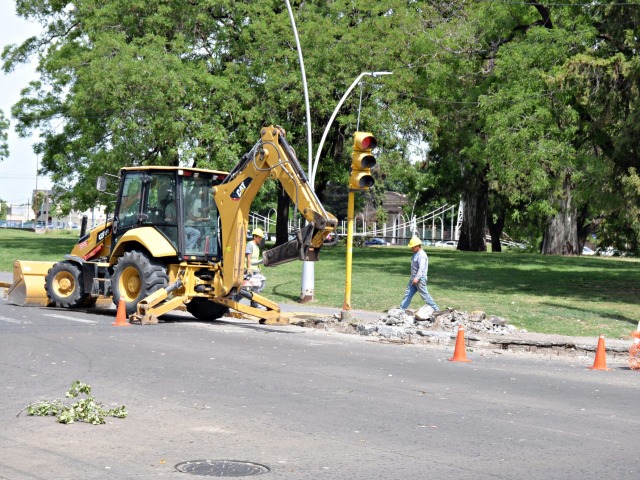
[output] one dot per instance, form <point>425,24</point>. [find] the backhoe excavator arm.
<point>270,157</point>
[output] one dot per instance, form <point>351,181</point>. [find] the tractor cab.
<point>177,202</point>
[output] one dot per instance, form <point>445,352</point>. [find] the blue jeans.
<point>411,290</point>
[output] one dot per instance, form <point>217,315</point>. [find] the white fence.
<point>432,226</point>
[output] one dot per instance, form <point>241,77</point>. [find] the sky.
<point>18,171</point>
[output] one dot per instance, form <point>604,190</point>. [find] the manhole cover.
<point>221,468</point>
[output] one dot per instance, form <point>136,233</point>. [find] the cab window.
<point>131,200</point>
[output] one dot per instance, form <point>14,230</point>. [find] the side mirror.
<point>101,184</point>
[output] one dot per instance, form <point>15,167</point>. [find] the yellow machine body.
<point>27,289</point>
<point>145,253</point>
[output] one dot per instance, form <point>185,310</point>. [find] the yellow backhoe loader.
<point>178,237</point>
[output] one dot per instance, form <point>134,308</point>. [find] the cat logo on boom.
<point>238,192</point>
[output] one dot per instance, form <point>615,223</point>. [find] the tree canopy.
<point>527,111</point>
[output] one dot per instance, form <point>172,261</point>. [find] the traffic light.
<point>362,161</point>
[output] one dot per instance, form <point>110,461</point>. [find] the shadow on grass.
<point>584,279</point>
<point>580,278</point>
<point>283,292</point>
<point>611,316</point>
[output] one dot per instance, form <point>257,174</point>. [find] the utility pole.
<point>308,269</point>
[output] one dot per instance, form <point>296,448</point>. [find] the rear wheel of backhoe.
<point>65,286</point>
<point>203,309</point>
<point>136,277</point>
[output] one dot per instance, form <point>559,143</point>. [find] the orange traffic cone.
<point>600,362</point>
<point>460,352</point>
<point>634,350</point>
<point>121,315</point>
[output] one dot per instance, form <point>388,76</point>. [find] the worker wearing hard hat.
<point>418,279</point>
<point>253,262</point>
<point>252,251</point>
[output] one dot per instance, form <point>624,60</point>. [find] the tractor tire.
<point>136,277</point>
<point>203,309</point>
<point>65,286</point>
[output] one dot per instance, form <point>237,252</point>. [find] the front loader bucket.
<point>28,289</point>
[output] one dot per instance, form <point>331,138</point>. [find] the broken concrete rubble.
<point>440,328</point>
<point>424,325</point>
<point>448,321</point>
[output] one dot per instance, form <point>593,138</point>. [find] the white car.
<point>587,251</point>
<point>447,244</point>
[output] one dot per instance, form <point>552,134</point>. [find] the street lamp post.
<point>308,274</point>
<point>333,116</point>
<point>307,267</point>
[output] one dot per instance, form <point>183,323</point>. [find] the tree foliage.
<point>4,126</point>
<point>526,111</point>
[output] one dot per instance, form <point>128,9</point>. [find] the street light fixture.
<point>333,116</point>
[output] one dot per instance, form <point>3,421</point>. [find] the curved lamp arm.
<point>312,175</point>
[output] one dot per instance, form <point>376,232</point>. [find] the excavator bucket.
<point>27,289</point>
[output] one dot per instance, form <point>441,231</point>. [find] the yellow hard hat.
<point>258,232</point>
<point>414,241</point>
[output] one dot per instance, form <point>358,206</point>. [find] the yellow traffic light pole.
<point>360,179</point>
<point>346,307</point>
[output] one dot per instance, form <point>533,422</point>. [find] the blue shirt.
<point>419,264</point>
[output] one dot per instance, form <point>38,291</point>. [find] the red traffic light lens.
<point>369,143</point>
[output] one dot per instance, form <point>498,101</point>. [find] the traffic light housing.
<point>362,161</point>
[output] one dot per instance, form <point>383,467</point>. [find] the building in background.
<point>41,212</point>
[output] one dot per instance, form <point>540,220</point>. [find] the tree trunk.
<point>561,233</point>
<point>586,226</point>
<point>496,225</point>
<point>282,218</point>
<point>474,218</point>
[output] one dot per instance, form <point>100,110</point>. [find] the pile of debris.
<point>433,326</point>
<point>448,321</point>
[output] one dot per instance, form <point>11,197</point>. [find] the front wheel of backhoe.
<point>203,309</point>
<point>136,277</point>
<point>65,287</point>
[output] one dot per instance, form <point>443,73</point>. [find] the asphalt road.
<point>306,404</point>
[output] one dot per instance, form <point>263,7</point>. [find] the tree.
<point>4,209</point>
<point>38,204</point>
<point>4,146</point>
<point>507,98</point>
<point>161,83</point>
<point>510,101</point>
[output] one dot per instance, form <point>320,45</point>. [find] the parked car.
<point>447,244</point>
<point>376,241</point>
<point>510,244</point>
<point>608,252</point>
<point>426,242</point>
<point>587,251</point>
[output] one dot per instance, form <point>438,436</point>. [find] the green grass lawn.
<point>582,296</point>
